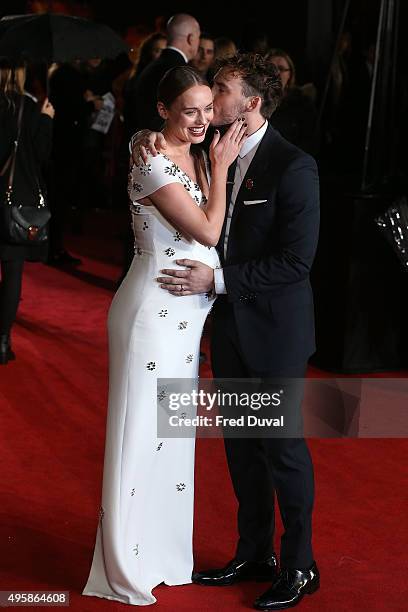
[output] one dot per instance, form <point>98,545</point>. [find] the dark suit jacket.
<point>141,97</point>
<point>271,247</point>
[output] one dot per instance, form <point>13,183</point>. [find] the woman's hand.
<point>48,109</point>
<point>224,150</point>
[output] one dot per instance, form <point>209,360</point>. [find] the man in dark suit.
<point>183,38</point>
<point>263,326</point>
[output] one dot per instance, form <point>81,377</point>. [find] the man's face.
<point>205,55</point>
<point>229,101</point>
<point>194,41</point>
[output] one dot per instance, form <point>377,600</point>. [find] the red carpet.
<point>52,420</point>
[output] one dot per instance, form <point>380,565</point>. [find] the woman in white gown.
<point>144,535</point>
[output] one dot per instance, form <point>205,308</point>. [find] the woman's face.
<point>158,47</point>
<point>189,116</point>
<point>284,69</point>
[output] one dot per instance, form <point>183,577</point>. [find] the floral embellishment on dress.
<point>151,366</point>
<point>132,492</point>
<point>162,394</point>
<point>135,208</point>
<point>181,486</point>
<point>101,513</point>
<point>145,169</point>
<point>136,549</point>
<point>177,236</point>
<point>138,250</point>
<point>209,295</point>
<point>172,170</point>
<point>135,186</point>
<point>145,226</point>
<point>189,358</point>
<point>170,252</point>
<point>163,313</point>
<point>159,447</point>
<point>188,183</point>
<point>204,200</point>
<point>183,325</point>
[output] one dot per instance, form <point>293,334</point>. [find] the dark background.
<point>305,28</point>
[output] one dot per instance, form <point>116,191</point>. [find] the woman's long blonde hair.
<point>12,81</point>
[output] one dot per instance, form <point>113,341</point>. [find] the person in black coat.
<point>296,117</point>
<point>183,38</point>
<point>263,327</point>
<point>34,148</point>
<point>73,110</point>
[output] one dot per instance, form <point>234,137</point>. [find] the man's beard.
<point>224,121</point>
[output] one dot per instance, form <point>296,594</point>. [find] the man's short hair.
<point>259,78</point>
<point>207,36</point>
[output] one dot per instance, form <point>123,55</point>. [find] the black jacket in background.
<point>33,151</point>
<point>141,95</point>
<point>295,119</point>
<point>72,113</point>
<point>34,148</point>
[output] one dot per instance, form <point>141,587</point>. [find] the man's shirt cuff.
<point>219,281</point>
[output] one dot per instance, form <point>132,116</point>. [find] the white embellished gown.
<point>145,529</point>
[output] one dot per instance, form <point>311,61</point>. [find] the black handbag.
<point>21,224</point>
<point>394,225</point>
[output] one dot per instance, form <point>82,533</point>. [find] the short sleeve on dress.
<point>145,179</point>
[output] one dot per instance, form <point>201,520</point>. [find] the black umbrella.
<point>56,38</point>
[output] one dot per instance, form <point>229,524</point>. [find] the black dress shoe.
<point>289,589</point>
<point>6,354</point>
<point>236,571</point>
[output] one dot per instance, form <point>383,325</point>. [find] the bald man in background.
<point>183,39</point>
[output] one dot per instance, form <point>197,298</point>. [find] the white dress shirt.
<point>245,157</point>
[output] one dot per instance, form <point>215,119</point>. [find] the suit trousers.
<point>261,467</point>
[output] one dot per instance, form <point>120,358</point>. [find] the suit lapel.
<point>254,178</point>
<point>230,184</point>
<point>256,175</point>
<point>230,181</point>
